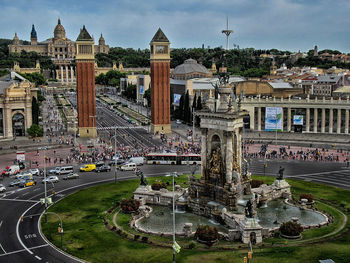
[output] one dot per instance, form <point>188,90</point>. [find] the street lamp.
<point>60,229</point>
<point>45,188</point>
<point>174,174</point>
<point>115,151</point>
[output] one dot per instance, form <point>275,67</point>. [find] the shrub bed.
<point>129,205</point>
<point>156,186</point>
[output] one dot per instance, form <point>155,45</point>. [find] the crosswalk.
<point>118,127</point>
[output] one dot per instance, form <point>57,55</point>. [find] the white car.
<point>34,171</point>
<point>51,179</point>
<point>2,188</point>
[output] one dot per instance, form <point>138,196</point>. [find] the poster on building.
<point>142,91</point>
<point>273,119</point>
<point>298,119</point>
<point>177,98</point>
<point>21,156</point>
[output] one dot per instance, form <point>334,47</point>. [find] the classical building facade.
<point>85,61</point>
<point>319,115</point>
<point>61,49</point>
<point>16,94</point>
<point>160,83</point>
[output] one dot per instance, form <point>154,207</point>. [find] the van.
<point>11,170</point>
<point>64,170</point>
<point>88,168</point>
<point>137,160</point>
<point>128,167</point>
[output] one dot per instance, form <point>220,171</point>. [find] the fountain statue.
<point>143,180</point>
<point>280,173</point>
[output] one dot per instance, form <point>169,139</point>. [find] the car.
<point>128,167</point>
<point>51,179</point>
<point>88,168</point>
<point>71,176</point>
<point>54,170</point>
<point>25,183</point>
<point>24,175</point>
<point>34,171</point>
<point>178,122</point>
<point>2,188</point>
<point>15,182</point>
<point>103,168</point>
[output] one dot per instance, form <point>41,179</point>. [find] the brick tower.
<point>85,63</point>
<point>160,83</point>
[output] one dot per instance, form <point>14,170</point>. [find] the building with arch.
<point>16,94</point>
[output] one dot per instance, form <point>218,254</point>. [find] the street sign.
<point>176,247</point>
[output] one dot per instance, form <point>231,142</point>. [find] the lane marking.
<point>17,228</point>
<point>2,248</point>
<point>18,200</point>
<point>38,257</point>
<point>21,250</point>
<point>1,223</point>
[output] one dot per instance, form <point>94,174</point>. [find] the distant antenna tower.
<point>227,32</point>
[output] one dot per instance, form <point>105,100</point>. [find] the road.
<point>332,173</point>
<point>22,241</point>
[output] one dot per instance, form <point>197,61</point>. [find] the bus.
<point>190,158</point>
<point>173,158</point>
<point>161,158</point>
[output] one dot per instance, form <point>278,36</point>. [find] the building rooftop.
<point>159,37</point>
<point>280,85</point>
<point>190,66</point>
<point>328,78</point>
<point>84,35</point>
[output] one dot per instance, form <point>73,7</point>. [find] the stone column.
<point>259,118</point>
<point>204,151</point>
<point>66,67</point>
<point>71,74</point>
<point>252,119</point>
<point>323,121</point>
<point>8,131</point>
<point>339,121</point>
<point>307,119</point>
<point>315,119</point>
<point>62,74</point>
<point>229,157</point>
<point>330,121</point>
<point>282,118</point>
<point>346,130</point>
<point>289,118</point>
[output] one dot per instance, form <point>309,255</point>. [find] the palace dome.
<point>59,32</point>
<point>190,66</point>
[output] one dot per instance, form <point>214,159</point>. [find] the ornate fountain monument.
<point>223,193</point>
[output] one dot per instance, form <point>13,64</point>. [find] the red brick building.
<point>85,64</point>
<point>160,83</point>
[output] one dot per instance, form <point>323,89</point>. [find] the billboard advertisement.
<point>298,119</point>
<point>273,119</point>
<point>177,98</point>
<point>142,91</point>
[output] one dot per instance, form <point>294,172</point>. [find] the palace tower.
<point>85,63</point>
<point>160,83</point>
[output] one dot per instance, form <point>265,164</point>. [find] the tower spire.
<point>227,32</point>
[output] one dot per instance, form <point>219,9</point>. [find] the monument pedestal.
<point>251,231</point>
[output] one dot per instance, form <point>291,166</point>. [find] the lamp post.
<point>115,151</point>
<point>45,187</point>
<point>93,124</point>
<point>174,174</point>
<point>60,229</point>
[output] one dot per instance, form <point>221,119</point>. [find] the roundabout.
<point>95,230</point>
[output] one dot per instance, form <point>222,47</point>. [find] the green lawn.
<point>85,235</point>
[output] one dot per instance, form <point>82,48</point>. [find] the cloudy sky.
<point>263,24</point>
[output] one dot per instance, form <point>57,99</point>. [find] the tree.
<point>130,92</point>
<point>147,96</point>
<point>194,104</point>
<point>35,111</point>
<point>36,78</point>
<point>35,131</point>
<point>199,103</point>
<point>187,110</point>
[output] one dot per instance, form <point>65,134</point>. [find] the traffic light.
<point>59,230</point>
<point>245,260</point>
<point>53,191</point>
<point>21,218</point>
